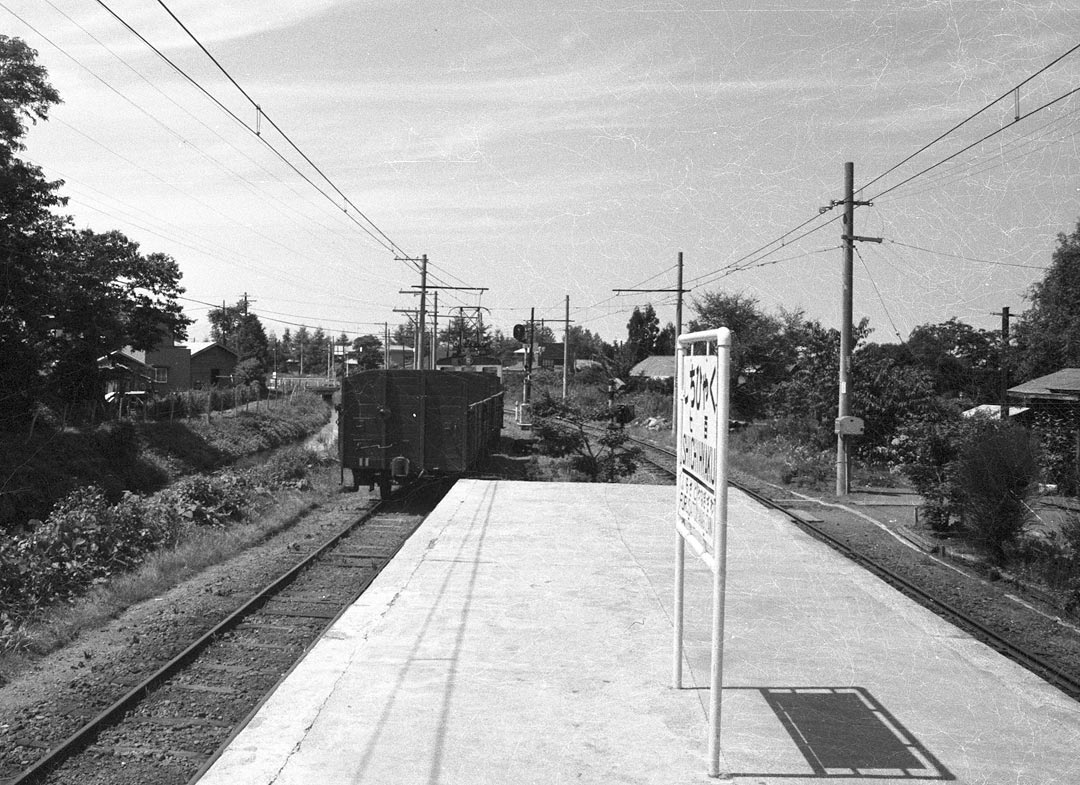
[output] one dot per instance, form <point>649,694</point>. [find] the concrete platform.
<point>523,635</point>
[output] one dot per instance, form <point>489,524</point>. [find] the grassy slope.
<point>142,457</point>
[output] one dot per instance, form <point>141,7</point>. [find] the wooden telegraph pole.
<point>846,425</point>
<point>678,325</point>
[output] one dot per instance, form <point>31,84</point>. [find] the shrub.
<point>563,430</point>
<point>925,450</point>
<point>996,474</point>
<point>211,500</point>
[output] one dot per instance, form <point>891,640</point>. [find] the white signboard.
<point>698,453</point>
<point>701,496</point>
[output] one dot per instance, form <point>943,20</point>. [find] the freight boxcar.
<point>394,426</point>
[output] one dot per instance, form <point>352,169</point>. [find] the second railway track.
<point>1064,675</point>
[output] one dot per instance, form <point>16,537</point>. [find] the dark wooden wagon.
<point>394,426</point>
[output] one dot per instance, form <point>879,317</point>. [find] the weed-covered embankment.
<point>142,457</point>
<point>87,540</point>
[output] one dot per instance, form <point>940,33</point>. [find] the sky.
<point>540,151</point>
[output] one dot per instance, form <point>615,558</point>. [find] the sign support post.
<point>703,395</point>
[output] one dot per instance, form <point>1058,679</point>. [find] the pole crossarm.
<point>456,288</point>
<point>856,238</point>
<point>673,291</point>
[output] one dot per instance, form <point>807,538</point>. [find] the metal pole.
<point>678,331</point>
<point>844,408</point>
<point>680,551</point>
<point>716,682</point>
<point>566,347</point>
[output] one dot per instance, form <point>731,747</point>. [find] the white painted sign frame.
<point>702,390</point>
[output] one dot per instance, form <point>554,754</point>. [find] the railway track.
<point>1067,682</point>
<point>168,728</point>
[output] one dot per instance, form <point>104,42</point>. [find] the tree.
<point>665,341</point>
<point>963,361</point>
<point>641,333</point>
<point>240,330</point>
<point>300,350</point>
<point>1048,334</point>
<point>369,352</point>
<point>108,296</point>
<point>586,344</point>
<point>30,233</point>
<point>589,436</point>
<point>66,297</point>
<point>319,353</point>
<point>503,346</point>
<point>463,336</point>
<point>758,359</point>
<point>889,391</point>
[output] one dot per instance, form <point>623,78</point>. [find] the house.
<point>399,356</point>
<point>660,367</point>
<point>125,372</point>
<point>211,364</point>
<point>1054,403</point>
<point>1060,387</point>
<point>552,356</point>
<point>172,367</point>
<point>171,364</point>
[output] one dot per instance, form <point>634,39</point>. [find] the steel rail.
<point>84,736</point>
<point>1068,684</point>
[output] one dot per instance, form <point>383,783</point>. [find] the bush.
<point>973,473</point>
<point>564,431</point>
<point>925,450</point>
<point>211,500</point>
<point>996,474</point>
<point>85,540</point>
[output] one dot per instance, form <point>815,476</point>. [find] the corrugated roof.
<point>659,366</point>
<point>1063,383</point>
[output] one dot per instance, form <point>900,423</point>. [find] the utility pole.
<point>386,345</point>
<point>423,307</point>
<point>411,314</point>
<point>414,290</point>
<point>419,337</point>
<point>679,291</point>
<point>529,356</point>
<point>845,424</point>
<point>1004,361</point>
<point>566,347</point>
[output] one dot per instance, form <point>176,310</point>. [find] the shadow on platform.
<point>844,733</point>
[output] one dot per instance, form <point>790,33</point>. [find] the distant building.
<point>399,356</point>
<point>660,367</point>
<point>211,364</point>
<point>169,367</point>
<point>1054,404</point>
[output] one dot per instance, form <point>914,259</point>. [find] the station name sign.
<point>702,389</point>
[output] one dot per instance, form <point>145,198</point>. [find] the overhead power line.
<point>261,114</point>
<point>377,235</point>
<point>969,118</point>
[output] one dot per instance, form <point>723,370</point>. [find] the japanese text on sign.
<point>698,423</point>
